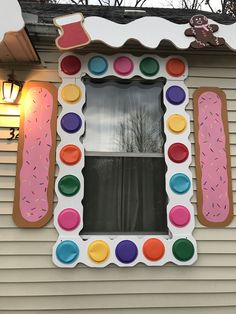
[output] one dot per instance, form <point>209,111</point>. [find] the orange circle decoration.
<point>70,154</point>
<point>176,123</point>
<point>71,93</point>
<point>153,249</point>
<point>175,67</point>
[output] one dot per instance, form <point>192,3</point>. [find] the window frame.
<point>175,233</point>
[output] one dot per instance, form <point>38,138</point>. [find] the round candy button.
<point>123,66</point>
<point>153,249</point>
<point>183,250</point>
<point>98,251</point>
<point>175,67</point>
<point>69,219</point>
<point>178,152</point>
<point>179,216</point>
<point>180,183</point>
<point>97,65</point>
<point>149,66</point>
<point>70,154</point>
<point>176,123</point>
<point>71,122</point>
<point>69,185</point>
<point>126,251</point>
<point>71,93</point>
<point>67,252</point>
<point>175,95</point>
<point>70,65</point>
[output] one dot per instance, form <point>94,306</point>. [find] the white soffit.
<point>15,44</point>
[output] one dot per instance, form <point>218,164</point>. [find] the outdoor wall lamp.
<point>11,89</point>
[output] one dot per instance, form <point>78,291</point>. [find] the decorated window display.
<point>84,93</point>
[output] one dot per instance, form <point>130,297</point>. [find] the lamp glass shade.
<point>10,91</point>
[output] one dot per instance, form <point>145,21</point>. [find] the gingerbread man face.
<point>198,20</point>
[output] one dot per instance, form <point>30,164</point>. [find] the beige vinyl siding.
<point>30,283</point>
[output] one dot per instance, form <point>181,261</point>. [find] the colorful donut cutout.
<point>149,66</point>
<point>71,93</point>
<point>34,184</point>
<point>126,251</point>
<point>176,123</point>
<point>98,251</point>
<point>69,219</point>
<point>97,65</point>
<point>69,185</point>
<point>70,154</point>
<point>175,67</point>
<point>123,66</point>
<point>71,122</point>
<point>153,249</point>
<point>213,168</point>
<point>70,65</point>
<point>178,152</point>
<point>67,252</point>
<point>179,216</point>
<point>123,250</point>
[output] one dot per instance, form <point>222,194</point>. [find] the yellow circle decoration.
<point>98,251</point>
<point>71,93</point>
<point>176,123</point>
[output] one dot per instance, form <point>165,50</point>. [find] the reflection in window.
<point>124,165</point>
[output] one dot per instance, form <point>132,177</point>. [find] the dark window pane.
<point>124,194</point>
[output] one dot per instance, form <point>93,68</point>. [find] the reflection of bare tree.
<point>140,133</point>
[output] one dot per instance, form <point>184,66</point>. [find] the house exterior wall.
<point>30,283</point>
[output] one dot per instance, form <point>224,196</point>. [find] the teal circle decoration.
<point>180,183</point>
<point>149,66</point>
<point>97,65</point>
<point>67,252</point>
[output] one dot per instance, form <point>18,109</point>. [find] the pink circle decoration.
<point>123,66</point>
<point>179,216</point>
<point>69,219</point>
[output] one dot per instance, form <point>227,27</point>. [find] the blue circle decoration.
<point>180,183</point>
<point>71,122</point>
<point>97,65</point>
<point>175,95</point>
<point>67,252</point>
<point>126,251</point>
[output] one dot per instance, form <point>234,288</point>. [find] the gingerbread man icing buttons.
<point>203,32</point>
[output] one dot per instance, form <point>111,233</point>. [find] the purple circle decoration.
<point>123,66</point>
<point>71,122</point>
<point>175,95</point>
<point>69,219</point>
<point>179,216</point>
<point>126,251</point>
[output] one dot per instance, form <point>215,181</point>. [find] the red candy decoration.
<point>70,65</point>
<point>178,152</point>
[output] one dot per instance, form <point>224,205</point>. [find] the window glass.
<point>124,174</point>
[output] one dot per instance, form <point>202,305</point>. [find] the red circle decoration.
<point>153,249</point>
<point>178,152</point>
<point>70,154</point>
<point>70,65</point>
<point>175,67</point>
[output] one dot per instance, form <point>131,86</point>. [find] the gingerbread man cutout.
<point>203,32</point>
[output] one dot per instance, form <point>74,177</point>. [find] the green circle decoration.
<point>69,185</point>
<point>183,250</point>
<point>149,66</point>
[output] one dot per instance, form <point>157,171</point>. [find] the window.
<point>124,166</point>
